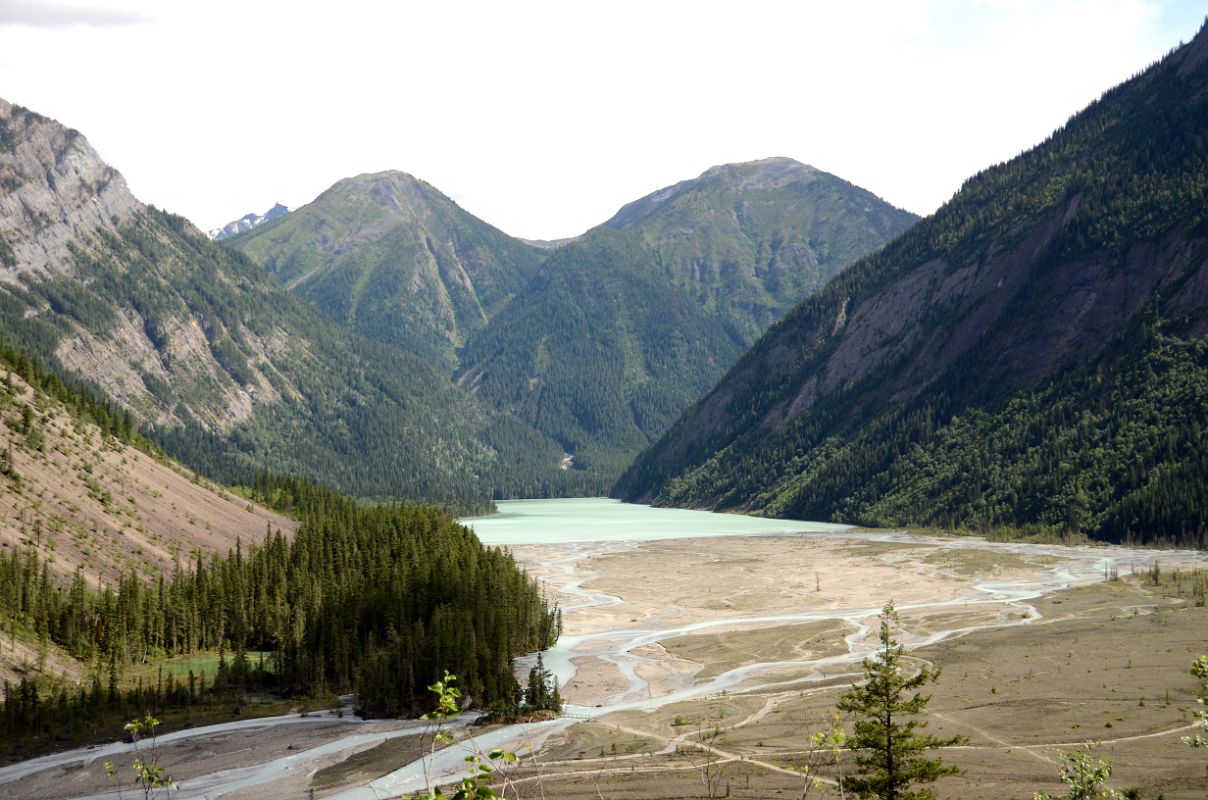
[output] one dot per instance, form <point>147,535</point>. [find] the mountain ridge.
<point>388,255</point>
<point>213,355</point>
<point>678,286</point>
<point>247,222</point>
<point>1035,269</point>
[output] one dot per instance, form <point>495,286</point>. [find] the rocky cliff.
<point>54,193</point>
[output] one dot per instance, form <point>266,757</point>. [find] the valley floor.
<point>699,667</point>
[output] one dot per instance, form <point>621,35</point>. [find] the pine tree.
<point>889,750</point>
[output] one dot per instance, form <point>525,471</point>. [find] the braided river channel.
<point>659,606</point>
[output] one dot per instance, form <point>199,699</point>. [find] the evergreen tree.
<point>535,696</point>
<point>889,750</point>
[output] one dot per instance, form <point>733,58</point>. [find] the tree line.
<point>374,599</point>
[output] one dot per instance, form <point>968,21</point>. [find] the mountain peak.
<point>736,179</point>
<point>389,255</point>
<point>247,222</point>
<point>394,193</point>
<point>763,173</point>
<point>389,180</point>
<point>56,189</point>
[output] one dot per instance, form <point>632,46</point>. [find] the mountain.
<point>229,369</point>
<point>626,325</point>
<point>247,222</point>
<point>86,496</point>
<point>601,353</point>
<point>749,241</point>
<point>389,256</point>
<point>78,485</point>
<point>597,341</point>
<point>1031,356</point>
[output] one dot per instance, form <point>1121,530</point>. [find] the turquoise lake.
<point>600,519</point>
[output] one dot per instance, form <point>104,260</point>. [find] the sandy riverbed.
<point>653,622</point>
<point>686,582</point>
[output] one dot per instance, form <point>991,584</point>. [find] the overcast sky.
<point>544,118</point>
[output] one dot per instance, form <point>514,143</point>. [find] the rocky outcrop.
<point>55,192</point>
<point>64,215</point>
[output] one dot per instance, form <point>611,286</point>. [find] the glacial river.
<point>572,532</point>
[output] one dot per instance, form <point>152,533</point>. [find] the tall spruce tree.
<point>889,749</point>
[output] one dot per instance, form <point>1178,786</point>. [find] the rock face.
<point>54,191</point>
<point>1058,280</point>
<point>247,222</point>
<point>63,212</point>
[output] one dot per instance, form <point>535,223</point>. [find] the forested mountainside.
<point>389,256</point>
<point>601,341</point>
<point>377,599</point>
<point>1032,355</point>
<point>229,370</point>
<point>115,557</point>
<point>626,325</point>
<point>602,353</point>
<point>86,501</point>
<point>749,241</point>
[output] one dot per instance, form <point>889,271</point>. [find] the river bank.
<point>662,626</point>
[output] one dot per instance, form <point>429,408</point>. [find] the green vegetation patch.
<point>197,663</point>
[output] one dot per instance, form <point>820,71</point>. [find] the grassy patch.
<point>199,663</point>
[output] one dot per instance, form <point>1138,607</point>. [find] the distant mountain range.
<point>570,358</point>
<point>597,341</point>
<point>225,366</point>
<point>247,222</point>
<point>1032,355</point>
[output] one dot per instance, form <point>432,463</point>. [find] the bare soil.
<point>89,502</point>
<point>1107,662</point>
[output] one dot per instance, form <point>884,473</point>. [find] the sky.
<point>543,118</point>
